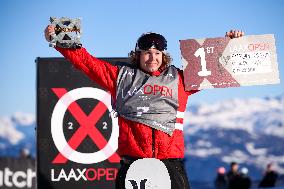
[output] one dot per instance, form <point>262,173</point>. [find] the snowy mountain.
<point>17,132</point>
<point>250,132</point>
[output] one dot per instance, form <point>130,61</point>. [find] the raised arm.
<point>104,73</point>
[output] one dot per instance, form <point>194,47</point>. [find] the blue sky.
<point>111,28</point>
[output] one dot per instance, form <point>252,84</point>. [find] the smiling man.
<point>150,100</point>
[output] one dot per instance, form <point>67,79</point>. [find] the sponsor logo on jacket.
<point>149,89</point>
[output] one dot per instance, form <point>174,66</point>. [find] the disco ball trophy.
<point>67,32</point>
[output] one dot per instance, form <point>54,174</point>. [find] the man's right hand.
<point>49,30</point>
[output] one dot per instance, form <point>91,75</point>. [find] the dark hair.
<point>135,59</point>
<point>233,163</point>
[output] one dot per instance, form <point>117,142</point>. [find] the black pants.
<point>175,168</point>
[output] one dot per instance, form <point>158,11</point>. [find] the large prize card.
<point>225,62</point>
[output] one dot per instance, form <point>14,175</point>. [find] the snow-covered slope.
<point>250,132</point>
<point>17,132</point>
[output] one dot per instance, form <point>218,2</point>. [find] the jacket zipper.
<point>153,142</point>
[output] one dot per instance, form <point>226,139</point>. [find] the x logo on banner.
<point>86,128</point>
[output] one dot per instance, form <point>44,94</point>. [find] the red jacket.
<point>135,139</point>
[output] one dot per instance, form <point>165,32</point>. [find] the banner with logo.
<point>17,173</point>
<point>77,131</point>
<point>225,62</point>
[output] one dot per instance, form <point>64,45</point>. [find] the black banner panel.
<point>77,131</point>
<point>17,173</point>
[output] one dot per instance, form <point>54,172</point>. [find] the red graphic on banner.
<point>87,127</point>
<point>219,77</point>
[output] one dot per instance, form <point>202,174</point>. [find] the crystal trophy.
<point>67,32</point>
